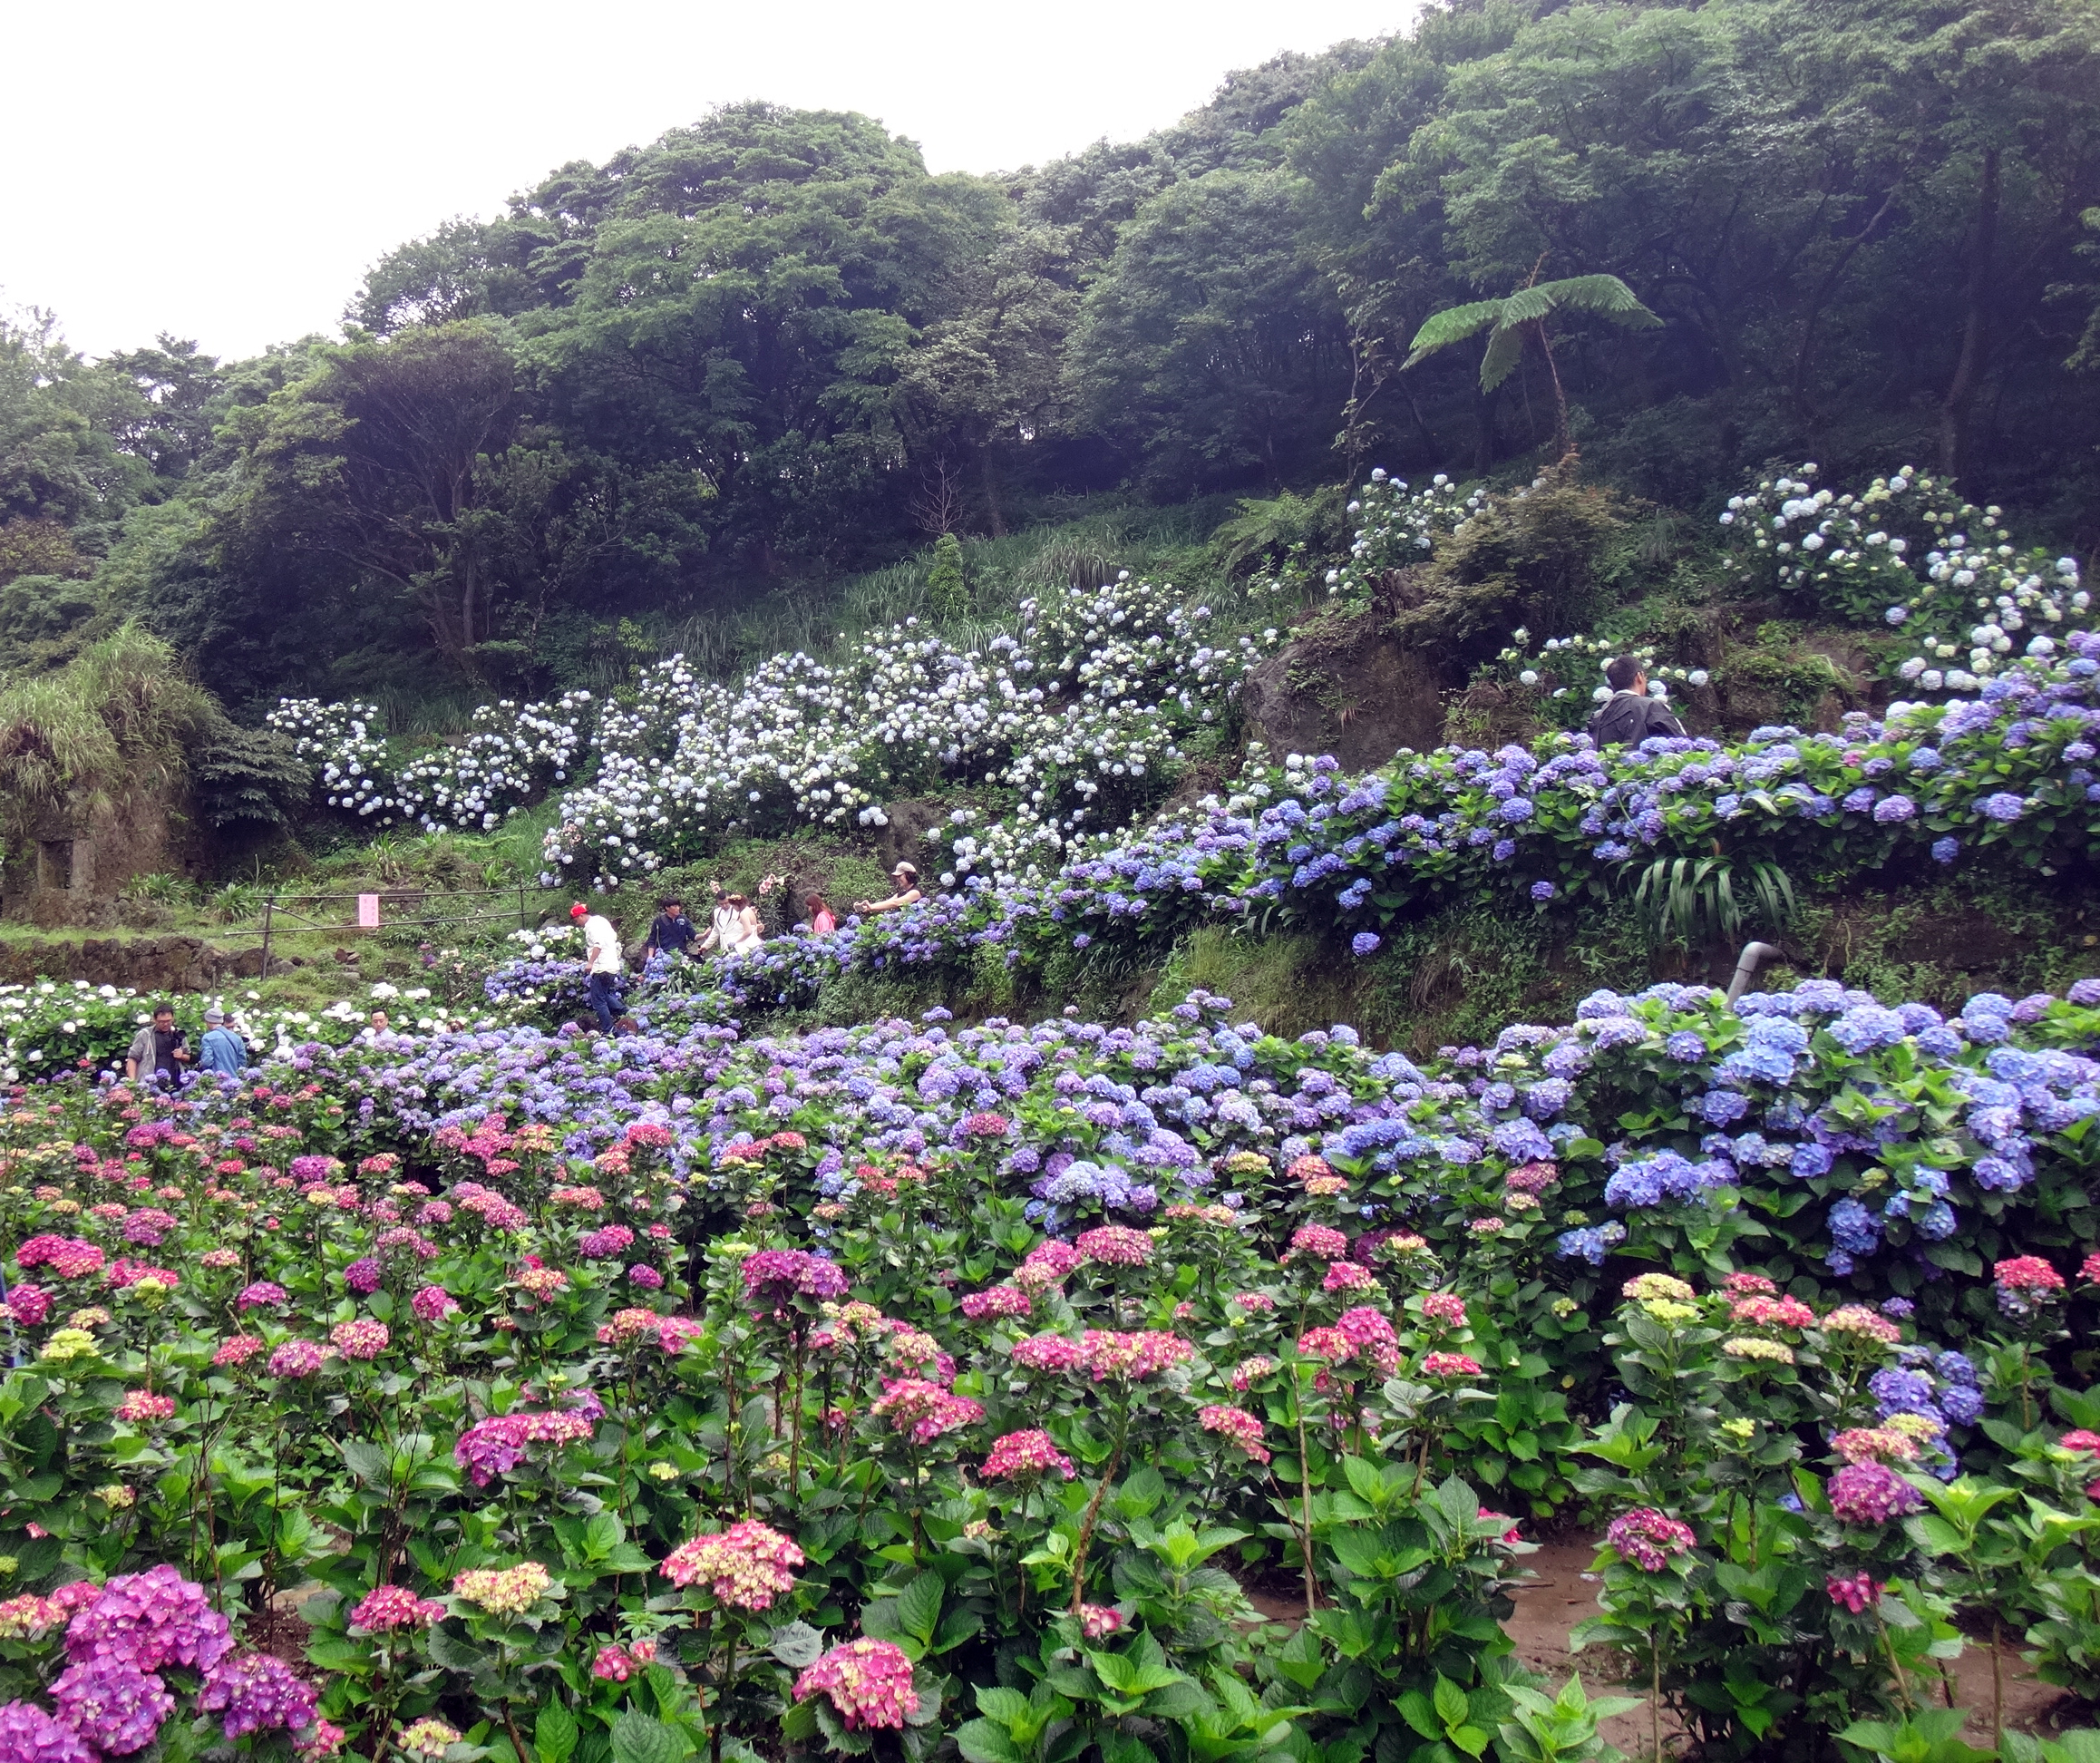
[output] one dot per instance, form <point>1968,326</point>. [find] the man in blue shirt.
<point>220,1050</point>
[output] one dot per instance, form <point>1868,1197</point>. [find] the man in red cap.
<point>601,960</point>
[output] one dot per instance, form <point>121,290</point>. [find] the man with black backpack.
<point>1630,716</point>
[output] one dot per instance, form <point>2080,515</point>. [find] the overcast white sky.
<point>226,170</point>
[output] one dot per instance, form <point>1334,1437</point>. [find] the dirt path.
<point>1562,1591</point>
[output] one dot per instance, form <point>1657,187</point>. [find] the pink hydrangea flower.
<point>1321,1241</point>
<point>1116,1245</point>
<point>998,1302</point>
<point>1445,1306</point>
<point>1236,1426</point>
<point>1649,1538</point>
<point>746,1566</point>
<point>432,1304</point>
<point>1026,1456</point>
<point>1854,1592</point>
<point>1871,1494</point>
<point>1046,1353</point>
<point>869,1682</point>
<point>361,1339</point>
<point>1106,1353</point>
<point>144,1404</point>
<point>1450,1365</point>
<point>924,1410</point>
<point>388,1607</point>
<point>1097,1622</point>
<point>296,1359</point>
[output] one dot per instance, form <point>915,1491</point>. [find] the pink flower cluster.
<point>1046,1353</point>
<point>1047,1264</point>
<point>296,1359</point>
<point>1531,1178</point>
<point>746,1566</point>
<point>1026,1456</point>
<point>998,1302</point>
<point>924,1410</point>
<point>1236,1426</point>
<point>869,1683</point>
<point>2029,1274</point>
<point>1855,1592</point>
<point>616,1664</point>
<point>263,1292</point>
<point>1114,1245</point>
<point>432,1304</point>
<point>1097,1622</point>
<point>985,1124</point>
<point>70,1258</point>
<point>1450,1365</point>
<point>1348,1276</point>
<point>388,1607</point>
<point>774,1276</point>
<point>124,1273</point>
<point>1445,1306</point>
<point>361,1339</point>
<point>1871,1494</point>
<point>1763,1312</point>
<point>144,1404</point>
<point>606,1242</point>
<point>28,1304</point>
<point>1857,1319</point>
<point>496,1446</point>
<point>1106,1353</point>
<point>1250,1371</point>
<point>1649,1538</point>
<point>1322,1241</point>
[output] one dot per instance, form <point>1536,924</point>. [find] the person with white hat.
<point>906,878</point>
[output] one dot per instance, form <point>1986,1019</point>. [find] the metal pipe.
<point>1755,955</point>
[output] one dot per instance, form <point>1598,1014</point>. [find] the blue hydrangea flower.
<point>1590,1242</point>
<point>1364,942</point>
<point>1853,1228</point>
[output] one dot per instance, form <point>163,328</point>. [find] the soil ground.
<point>1562,1591</point>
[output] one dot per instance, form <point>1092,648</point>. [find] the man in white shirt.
<point>601,960</point>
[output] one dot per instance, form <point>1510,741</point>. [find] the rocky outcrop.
<point>1345,686</point>
<point>145,964</point>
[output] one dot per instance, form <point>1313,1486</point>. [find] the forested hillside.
<point>771,348</point>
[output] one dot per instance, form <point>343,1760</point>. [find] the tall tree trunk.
<point>1484,409</point>
<point>994,514</point>
<point>1968,370</point>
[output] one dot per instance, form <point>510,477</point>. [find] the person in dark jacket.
<point>1630,716</point>
<point>671,932</point>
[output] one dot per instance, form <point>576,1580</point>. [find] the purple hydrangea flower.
<point>1364,942</point>
<point>2003,807</point>
<point>29,1735</point>
<point>112,1704</point>
<point>150,1620</point>
<point>258,1692</point>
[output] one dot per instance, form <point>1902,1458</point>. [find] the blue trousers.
<point>603,990</point>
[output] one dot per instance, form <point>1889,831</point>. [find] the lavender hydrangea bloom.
<point>112,1704</point>
<point>1364,942</point>
<point>257,1693</point>
<point>150,1620</point>
<point>2003,807</point>
<point>29,1735</point>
